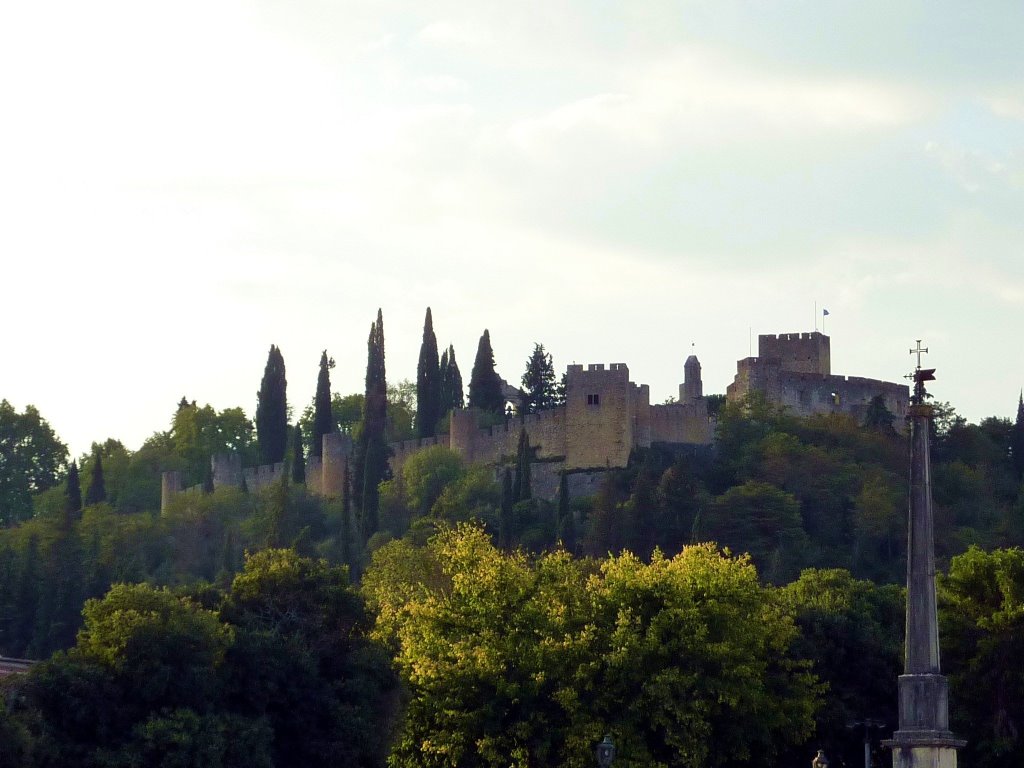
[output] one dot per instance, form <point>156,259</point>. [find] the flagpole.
<point>815,315</point>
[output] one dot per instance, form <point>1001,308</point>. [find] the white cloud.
<point>1008,106</point>
<point>455,33</point>
<point>443,84</point>
<point>698,96</point>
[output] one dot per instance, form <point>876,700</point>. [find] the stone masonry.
<point>794,370</point>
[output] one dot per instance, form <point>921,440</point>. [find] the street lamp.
<point>605,752</point>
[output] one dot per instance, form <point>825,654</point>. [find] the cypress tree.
<point>428,382</point>
<point>540,391</point>
<point>1017,439</point>
<point>208,486</point>
<point>484,383</point>
<point>442,376</point>
<point>566,521</point>
<point>452,397</point>
<point>72,493</point>
<point>298,460</point>
<point>522,487</point>
<point>97,488</point>
<point>272,410</point>
<point>371,455</point>
<point>323,418</point>
<point>346,523</point>
<point>505,512</point>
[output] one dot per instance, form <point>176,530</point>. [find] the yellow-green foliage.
<point>512,661</point>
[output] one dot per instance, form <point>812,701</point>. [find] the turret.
<point>692,389</point>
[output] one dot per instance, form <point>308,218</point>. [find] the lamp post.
<point>605,752</point>
<point>867,724</point>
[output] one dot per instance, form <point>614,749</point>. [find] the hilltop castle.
<point>604,418</point>
<point>794,370</point>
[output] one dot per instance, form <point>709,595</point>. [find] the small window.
<point>593,399</point>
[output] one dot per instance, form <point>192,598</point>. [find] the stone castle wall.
<point>324,476</point>
<point>682,423</point>
<point>792,370</point>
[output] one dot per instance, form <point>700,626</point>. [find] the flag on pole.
<point>824,312</point>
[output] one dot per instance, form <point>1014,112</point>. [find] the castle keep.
<point>794,370</point>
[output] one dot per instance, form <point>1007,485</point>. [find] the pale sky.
<point>183,184</point>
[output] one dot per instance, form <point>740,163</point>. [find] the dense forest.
<point>740,606</point>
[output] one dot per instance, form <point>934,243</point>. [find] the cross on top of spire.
<point>920,376</point>
<point>919,351</point>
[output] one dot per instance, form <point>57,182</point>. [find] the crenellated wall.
<point>792,371</point>
<point>263,476</point>
<point>604,418</point>
<point>324,477</point>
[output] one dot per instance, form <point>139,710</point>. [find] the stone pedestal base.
<point>923,749</point>
<point>923,757</point>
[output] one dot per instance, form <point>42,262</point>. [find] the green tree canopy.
<point>762,520</point>
<point>852,633</point>
<point>540,388</point>
<point>685,662</point>
<point>32,459</point>
<point>981,616</point>
<point>277,673</point>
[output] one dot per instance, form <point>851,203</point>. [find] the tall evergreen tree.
<point>347,535</point>
<point>428,382</point>
<point>566,520</point>
<point>484,383</point>
<point>371,455</point>
<point>1017,439</point>
<point>272,410</point>
<point>452,397</point>
<point>208,484</point>
<point>97,492</point>
<point>298,460</point>
<point>72,493</point>
<point>522,488</point>
<point>442,375</point>
<point>323,418</point>
<point>505,511</point>
<point>540,390</point>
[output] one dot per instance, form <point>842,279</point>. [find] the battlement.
<point>263,476</point>
<point>813,335</point>
<point>804,352</point>
<point>325,476</point>
<point>594,371</point>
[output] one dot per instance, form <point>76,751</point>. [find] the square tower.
<point>599,416</point>
<point>797,352</point>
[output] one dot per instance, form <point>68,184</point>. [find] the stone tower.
<point>692,389</point>
<point>923,739</point>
